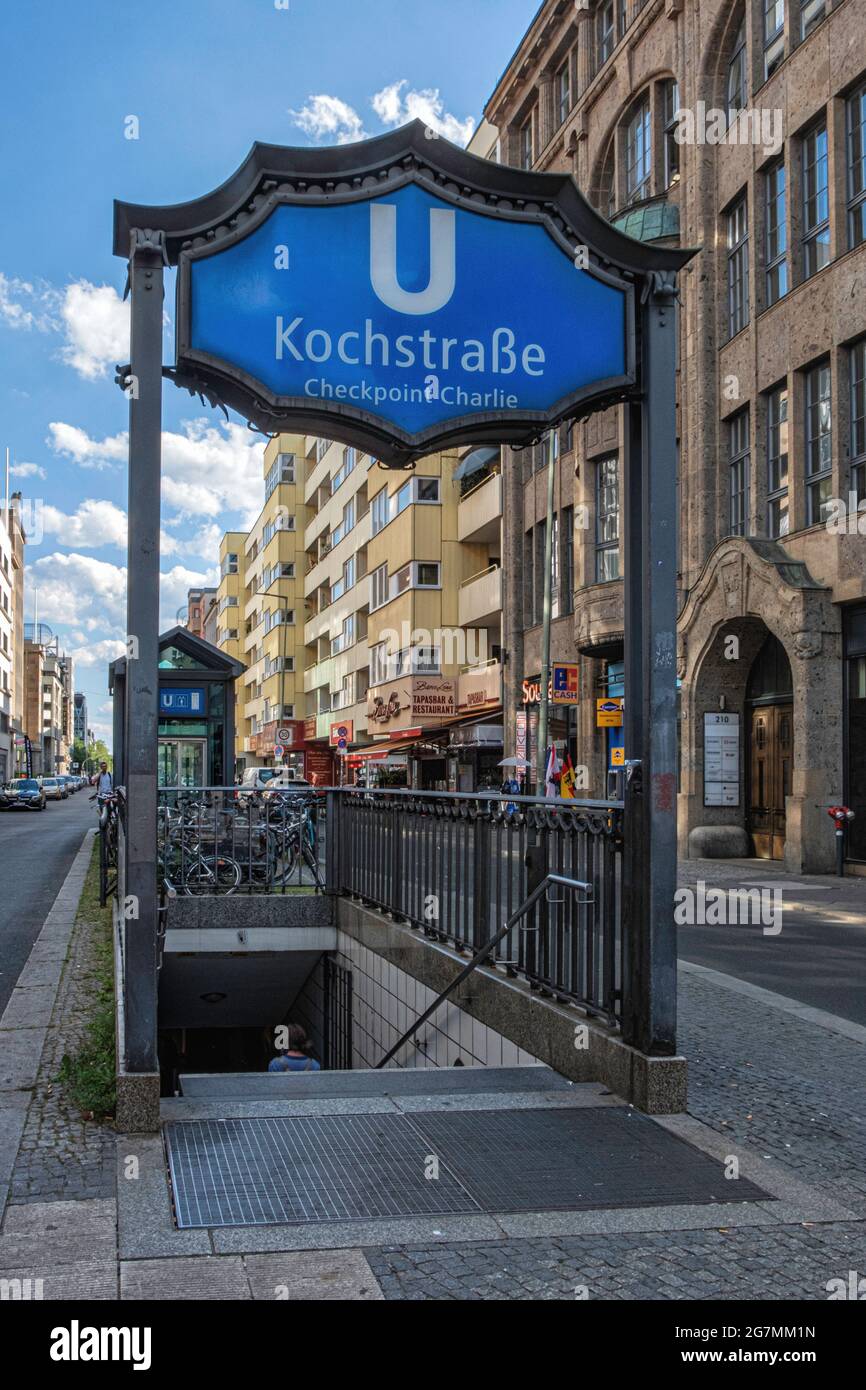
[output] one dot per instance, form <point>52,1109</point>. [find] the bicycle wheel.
<point>211,874</point>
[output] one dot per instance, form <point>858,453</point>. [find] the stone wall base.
<point>562,1037</point>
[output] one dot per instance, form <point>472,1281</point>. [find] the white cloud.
<point>394,107</point>
<point>24,305</point>
<point>325,117</point>
<point>98,653</point>
<point>77,589</point>
<point>206,469</point>
<point>96,323</point>
<point>87,452</point>
<point>96,522</point>
<point>27,470</point>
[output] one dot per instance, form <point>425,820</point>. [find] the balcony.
<point>479,602</point>
<point>479,511</point>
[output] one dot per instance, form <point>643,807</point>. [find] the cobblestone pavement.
<point>767,1263</point>
<point>62,1156</point>
<point>778,1085</point>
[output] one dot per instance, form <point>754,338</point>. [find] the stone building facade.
<point>639,101</point>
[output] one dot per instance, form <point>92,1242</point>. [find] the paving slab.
<point>336,1235</point>
<point>57,1233</point>
<point>208,1277</point>
<point>313,1276</point>
<point>20,1054</point>
<point>29,1007</point>
<point>79,1280</point>
<point>145,1227</point>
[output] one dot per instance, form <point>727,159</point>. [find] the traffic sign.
<point>284,735</point>
<point>278,750</point>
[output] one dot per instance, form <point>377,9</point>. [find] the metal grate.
<point>254,1172</point>
<point>265,1172</point>
<point>573,1160</point>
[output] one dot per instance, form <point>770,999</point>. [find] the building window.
<point>538,587</point>
<point>427,575</point>
<point>282,471</point>
<point>670,107</point>
<point>229,564</point>
<point>379,663</point>
<point>350,458</point>
<point>816,202</point>
<point>525,144</point>
<point>736,86</point>
<point>528,581</point>
<point>379,587</point>
<point>563,90</point>
<point>379,512</point>
<point>426,489</point>
<point>638,154</point>
<point>857,383</point>
<point>856,120</point>
<point>774,35</point>
<point>777,463</point>
<point>567,598</point>
<point>819,460</point>
<point>738,267</point>
<point>811,14</point>
<point>605,32</point>
<point>738,469</point>
<point>607,519</point>
<point>777,233</point>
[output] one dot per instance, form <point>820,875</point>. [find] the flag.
<point>551,779</point>
<point>567,779</point>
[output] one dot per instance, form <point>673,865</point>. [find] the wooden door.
<point>771,773</point>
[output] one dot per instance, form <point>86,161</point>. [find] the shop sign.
<point>310,729</point>
<point>423,698</point>
<point>520,736</point>
<point>608,712</point>
<point>479,689</point>
<point>565,684</point>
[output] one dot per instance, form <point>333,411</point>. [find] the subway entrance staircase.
<point>427,1151</point>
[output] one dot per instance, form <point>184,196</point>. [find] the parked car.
<point>286,785</point>
<point>255,779</point>
<point>28,794</point>
<point>7,797</point>
<point>55,789</point>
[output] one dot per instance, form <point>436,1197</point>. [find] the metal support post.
<point>649,868</point>
<point>142,664</point>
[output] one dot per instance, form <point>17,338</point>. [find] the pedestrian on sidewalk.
<point>297,1055</point>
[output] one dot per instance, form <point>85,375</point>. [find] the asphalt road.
<point>818,957</point>
<point>36,853</point>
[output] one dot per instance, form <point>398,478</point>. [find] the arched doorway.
<point>770,722</point>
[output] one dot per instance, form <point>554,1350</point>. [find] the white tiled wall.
<point>385,1003</point>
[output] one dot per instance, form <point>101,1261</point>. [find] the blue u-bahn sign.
<point>400,294</point>
<point>407,308</point>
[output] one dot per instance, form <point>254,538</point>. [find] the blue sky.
<point>204,78</point>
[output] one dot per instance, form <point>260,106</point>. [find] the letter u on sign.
<point>383,261</point>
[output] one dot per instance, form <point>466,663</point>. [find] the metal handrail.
<point>482,954</point>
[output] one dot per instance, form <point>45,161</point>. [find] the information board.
<point>721,759</point>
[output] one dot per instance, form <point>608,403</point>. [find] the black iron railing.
<point>108,857</point>
<point>220,840</point>
<point>483,954</point>
<point>458,866</point>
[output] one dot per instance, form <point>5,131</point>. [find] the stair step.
<point>393,1081</point>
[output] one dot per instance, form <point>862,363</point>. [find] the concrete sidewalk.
<point>772,1084</point>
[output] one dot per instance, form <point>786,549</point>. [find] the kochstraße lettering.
<point>500,351</point>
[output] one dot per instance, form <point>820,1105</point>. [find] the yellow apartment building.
<point>403,588</point>
<point>261,613</point>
